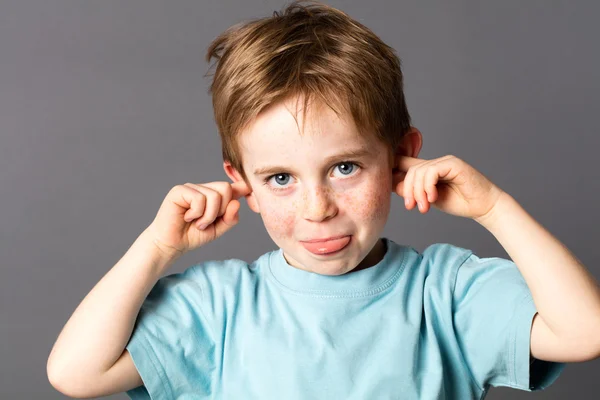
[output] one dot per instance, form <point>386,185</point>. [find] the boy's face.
<point>328,182</point>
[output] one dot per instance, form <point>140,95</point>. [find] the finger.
<point>230,191</point>
<point>198,203</point>
<point>229,219</point>
<point>211,208</point>
<point>232,212</point>
<point>419,193</point>
<point>431,180</point>
<point>399,189</point>
<point>190,200</point>
<point>447,168</point>
<point>398,182</point>
<point>197,206</point>
<point>240,188</point>
<point>406,162</point>
<point>223,188</point>
<point>407,189</point>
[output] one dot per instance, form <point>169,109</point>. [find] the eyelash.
<point>268,178</point>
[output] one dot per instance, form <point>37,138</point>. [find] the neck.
<point>375,255</point>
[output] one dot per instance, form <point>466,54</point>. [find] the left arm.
<point>567,326</point>
<point>567,298</point>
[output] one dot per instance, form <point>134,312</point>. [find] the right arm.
<point>88,358</point>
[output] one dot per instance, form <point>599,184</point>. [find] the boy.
<point>337,312</point>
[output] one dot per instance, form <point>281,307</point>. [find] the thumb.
<point>229,219</point>
<point>239,189</point>
<point>398,182</point>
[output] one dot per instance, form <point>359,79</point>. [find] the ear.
<point>410,146</point>
<point>411,143</point>
<point>235,176</point>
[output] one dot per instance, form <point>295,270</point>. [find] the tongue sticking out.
<point>326,247</point>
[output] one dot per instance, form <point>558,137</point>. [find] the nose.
<point>319,204</point>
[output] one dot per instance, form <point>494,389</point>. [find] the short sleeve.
<point>171,344</point>
<point>492,315</point>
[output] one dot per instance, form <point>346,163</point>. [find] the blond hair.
<point>311,50</point>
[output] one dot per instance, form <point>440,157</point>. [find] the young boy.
<point>317,137</point>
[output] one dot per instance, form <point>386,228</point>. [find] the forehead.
<point>282,129</point>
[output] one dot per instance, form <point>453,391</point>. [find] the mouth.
<point>328,246</point>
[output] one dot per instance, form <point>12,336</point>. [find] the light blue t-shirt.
<point>442,324</point>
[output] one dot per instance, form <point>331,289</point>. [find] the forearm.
<point>566,296</point>
<point>97,332</point>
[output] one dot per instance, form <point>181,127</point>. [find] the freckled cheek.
<point>279,218</point>
<point>370,204</point>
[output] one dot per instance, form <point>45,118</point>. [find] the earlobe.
<point>252,203</point>
<point>235,176</point>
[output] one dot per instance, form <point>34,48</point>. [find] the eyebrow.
<point>345,156</point>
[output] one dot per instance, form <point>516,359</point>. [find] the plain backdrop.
<point>104,108</point>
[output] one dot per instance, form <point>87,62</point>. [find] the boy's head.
<point>348,86</point>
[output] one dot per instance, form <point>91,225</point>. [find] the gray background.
<point>104,108</point>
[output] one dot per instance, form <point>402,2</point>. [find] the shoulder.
<point>228,271</point>
<point>465,264</point>
<point>445,254</point>
<point>211,275</point>
<point>456,269</point>
<point>208,286</point>
<point>435,256</point>
<point>469,276</point>
<point>439,262</point>
<point>226,280</point>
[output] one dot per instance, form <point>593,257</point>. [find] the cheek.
<point>278,218</point>
<point>370,203</point>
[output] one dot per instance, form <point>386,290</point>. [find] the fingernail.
<point>202,227</point>
<point>406,201</point>
<point>420,205</point>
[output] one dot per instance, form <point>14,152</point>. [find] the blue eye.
<point>346,168</point>
<point>282,179</point>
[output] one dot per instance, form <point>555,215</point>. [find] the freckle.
<point>279,220</point>
<point>367,205</point>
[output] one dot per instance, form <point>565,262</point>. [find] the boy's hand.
<point>448,183</point>
<point>192,215</point>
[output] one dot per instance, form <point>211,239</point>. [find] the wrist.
<point>163,256</point>
<point>490,218</point>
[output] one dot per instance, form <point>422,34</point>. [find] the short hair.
<point>311,50</point>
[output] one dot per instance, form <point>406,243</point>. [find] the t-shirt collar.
<point>363,282</point>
